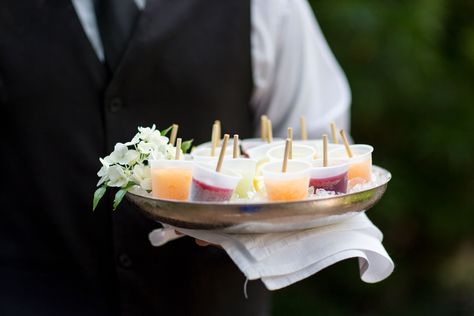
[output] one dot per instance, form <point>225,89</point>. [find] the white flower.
<point>146,147</point>
<point>104,170</point>
<point>124,165</point>
<point>165,151</point>
<point>123,155</point>
<point>103,174</point>
<point>157,139</point>
<point>134,140</point>
<point>117,176</point>
<point>142,176</point>
<point>147,133</point>
<point>170,152</point>
<point>143,131</point>
<point>157,155</point>
<point>106,162</point>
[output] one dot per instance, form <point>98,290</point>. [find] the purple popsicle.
<point>336,183</point>
<point>201,191</point>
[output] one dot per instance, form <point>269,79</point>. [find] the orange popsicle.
<point>287,190</point>
<point>361,170</point>
<point>171,183</point>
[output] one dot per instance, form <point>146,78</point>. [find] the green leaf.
<point>119,197</point>
<point>98,194</point>
<point>121,193</point>
<point>185,146</point>
<point>166,131</point>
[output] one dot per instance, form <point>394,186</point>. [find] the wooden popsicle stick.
<point>325,150</point>
<point>218,133</point>
<point>346,143</point>
<point>269,131</point>
<point>290,136</point>
<point>290,150</point>
<point>334,133</point>
<point>236,149</point>
<point>304,132</point>
<point>178,149</point>
<point>264,128</point>
<point>174,133</point>
<point>222,153</point>
<point>213,140</point>
<point>284,166</point>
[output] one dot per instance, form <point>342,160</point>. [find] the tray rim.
<point>264,203</point>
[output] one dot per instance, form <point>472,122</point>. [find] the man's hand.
<point>200,242</point>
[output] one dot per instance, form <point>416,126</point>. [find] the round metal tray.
<point>262,217</point>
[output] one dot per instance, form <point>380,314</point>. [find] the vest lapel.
<point>131,43</point>
<point>83,46</point>
<point>153,21</point>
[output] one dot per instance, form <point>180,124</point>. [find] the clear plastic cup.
<point>360,165</point>
<point>204,154</point>
<point>317,144</point>
<point>210,185</point>
<point>300,153</point>
<point>259,153</point>
<point>250,143</point>
<point>171,179</point>
<point>291,185</point>
<point>246,168</point>
<point>334,177</point>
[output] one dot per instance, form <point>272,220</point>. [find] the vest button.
<point>125,261</point>
<point>115,105</point>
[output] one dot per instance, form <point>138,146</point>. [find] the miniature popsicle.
<point>336,183</point>
<point>171,179</point>
<point>287,181</point>
<point>244,167</point>
<point>359,159</point>
<point>329,175</point>
<point>213,185</point>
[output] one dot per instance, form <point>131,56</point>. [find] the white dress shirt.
<point>294,71</point>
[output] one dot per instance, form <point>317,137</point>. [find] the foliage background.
<point>410,65</point>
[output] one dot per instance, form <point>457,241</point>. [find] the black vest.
<point>188,62</point>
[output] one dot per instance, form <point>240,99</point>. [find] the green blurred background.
<point>410,65</point>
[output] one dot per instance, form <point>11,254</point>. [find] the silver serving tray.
<point>262,217</point>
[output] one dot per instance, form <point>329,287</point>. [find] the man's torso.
<point>188,62</point>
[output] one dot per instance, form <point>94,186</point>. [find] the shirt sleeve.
<point>295,73</point>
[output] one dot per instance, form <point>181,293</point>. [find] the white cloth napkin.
<point>281,259</point>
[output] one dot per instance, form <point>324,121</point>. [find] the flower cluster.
<point>127,165</point>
